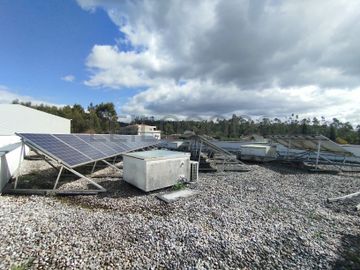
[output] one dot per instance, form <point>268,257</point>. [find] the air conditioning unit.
<point>194,171</point>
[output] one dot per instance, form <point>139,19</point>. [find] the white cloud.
<point>68,78</point>
<point>8,96</point>
<point>254,57</point>
<point>206,99</point>
<point>115,69</point>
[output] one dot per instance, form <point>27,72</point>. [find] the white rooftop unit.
<point>174,144</point>
<point>156,169</point>
<point>258,152</point>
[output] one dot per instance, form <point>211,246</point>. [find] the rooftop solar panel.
<point>97,143</point>
<point>52,146</point>
<point>309,142</point>
<point>123,140</point>
<point>84,147</point>
<point>77,149</point>
<point>110,143</point>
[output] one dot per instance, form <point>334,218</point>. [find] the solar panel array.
<point>309,142</point>
<point>78,149</point>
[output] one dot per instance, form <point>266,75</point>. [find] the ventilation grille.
<point>194,171</point>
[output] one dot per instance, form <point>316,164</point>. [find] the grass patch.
<point>318,234</point>
<point>179,186</point>
<point>72,201</point>
<point>314,216</point>
<point>274,210</point>
<point>23,265</point>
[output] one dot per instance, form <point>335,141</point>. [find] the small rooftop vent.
<point>194,171</point>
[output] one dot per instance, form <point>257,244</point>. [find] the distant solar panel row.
<point>77,149</point>
<point>309,142</point>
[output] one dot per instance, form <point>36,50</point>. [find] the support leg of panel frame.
<point>344,161</point>
<point>114,160</point>
<point>318,154</point>
<point>58,177</point>
<point>47,160</point>
<point>341,198</point>
<point>200,152</point>
<point>223,165</point>
<point>88,179</point>
<point>22,154</point>
<point>52,165</point>
<point>288,149</point>
<point>111,165</point>
<point>93,168</point>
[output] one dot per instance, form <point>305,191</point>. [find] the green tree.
<point>78,123</point>
<point>108,116</point>
<point>332,133</point>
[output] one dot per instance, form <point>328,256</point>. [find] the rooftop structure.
<point>310,142</point>
<point>69,151</point>
<point>156,169</point>
<point>141,129</point>
<point>18,118</point>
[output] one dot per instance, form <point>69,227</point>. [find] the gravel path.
<point>270,217</point>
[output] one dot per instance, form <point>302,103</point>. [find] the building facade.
<point>141,129</point>
<point>149,131</point>
<point>19,118</point>
<point>15,118</point>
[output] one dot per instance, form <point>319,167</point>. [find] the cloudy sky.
<point>184,57</point>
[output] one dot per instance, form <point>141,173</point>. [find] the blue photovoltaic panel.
<point>110,141</point>
<point>81,146</point>
<point>97,143</point>
<point>124,140</point>
<point>78,149</point>
<point>133,142</point>
<point>56,148</point>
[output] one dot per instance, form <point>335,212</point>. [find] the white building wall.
<point>9,164</point>
<point>145,130</point>
<point>155,134</point>
<point>19,118</point>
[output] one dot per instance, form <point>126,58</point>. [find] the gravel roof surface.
<point>270,217</point>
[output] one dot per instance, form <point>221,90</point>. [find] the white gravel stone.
<point>270,217</point>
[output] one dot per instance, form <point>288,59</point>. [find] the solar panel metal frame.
<point>61,161</point>
<point>62,166</point>
<point>54,141</point>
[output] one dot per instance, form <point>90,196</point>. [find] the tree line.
<point>102,118</point>
<point>238,127</point>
